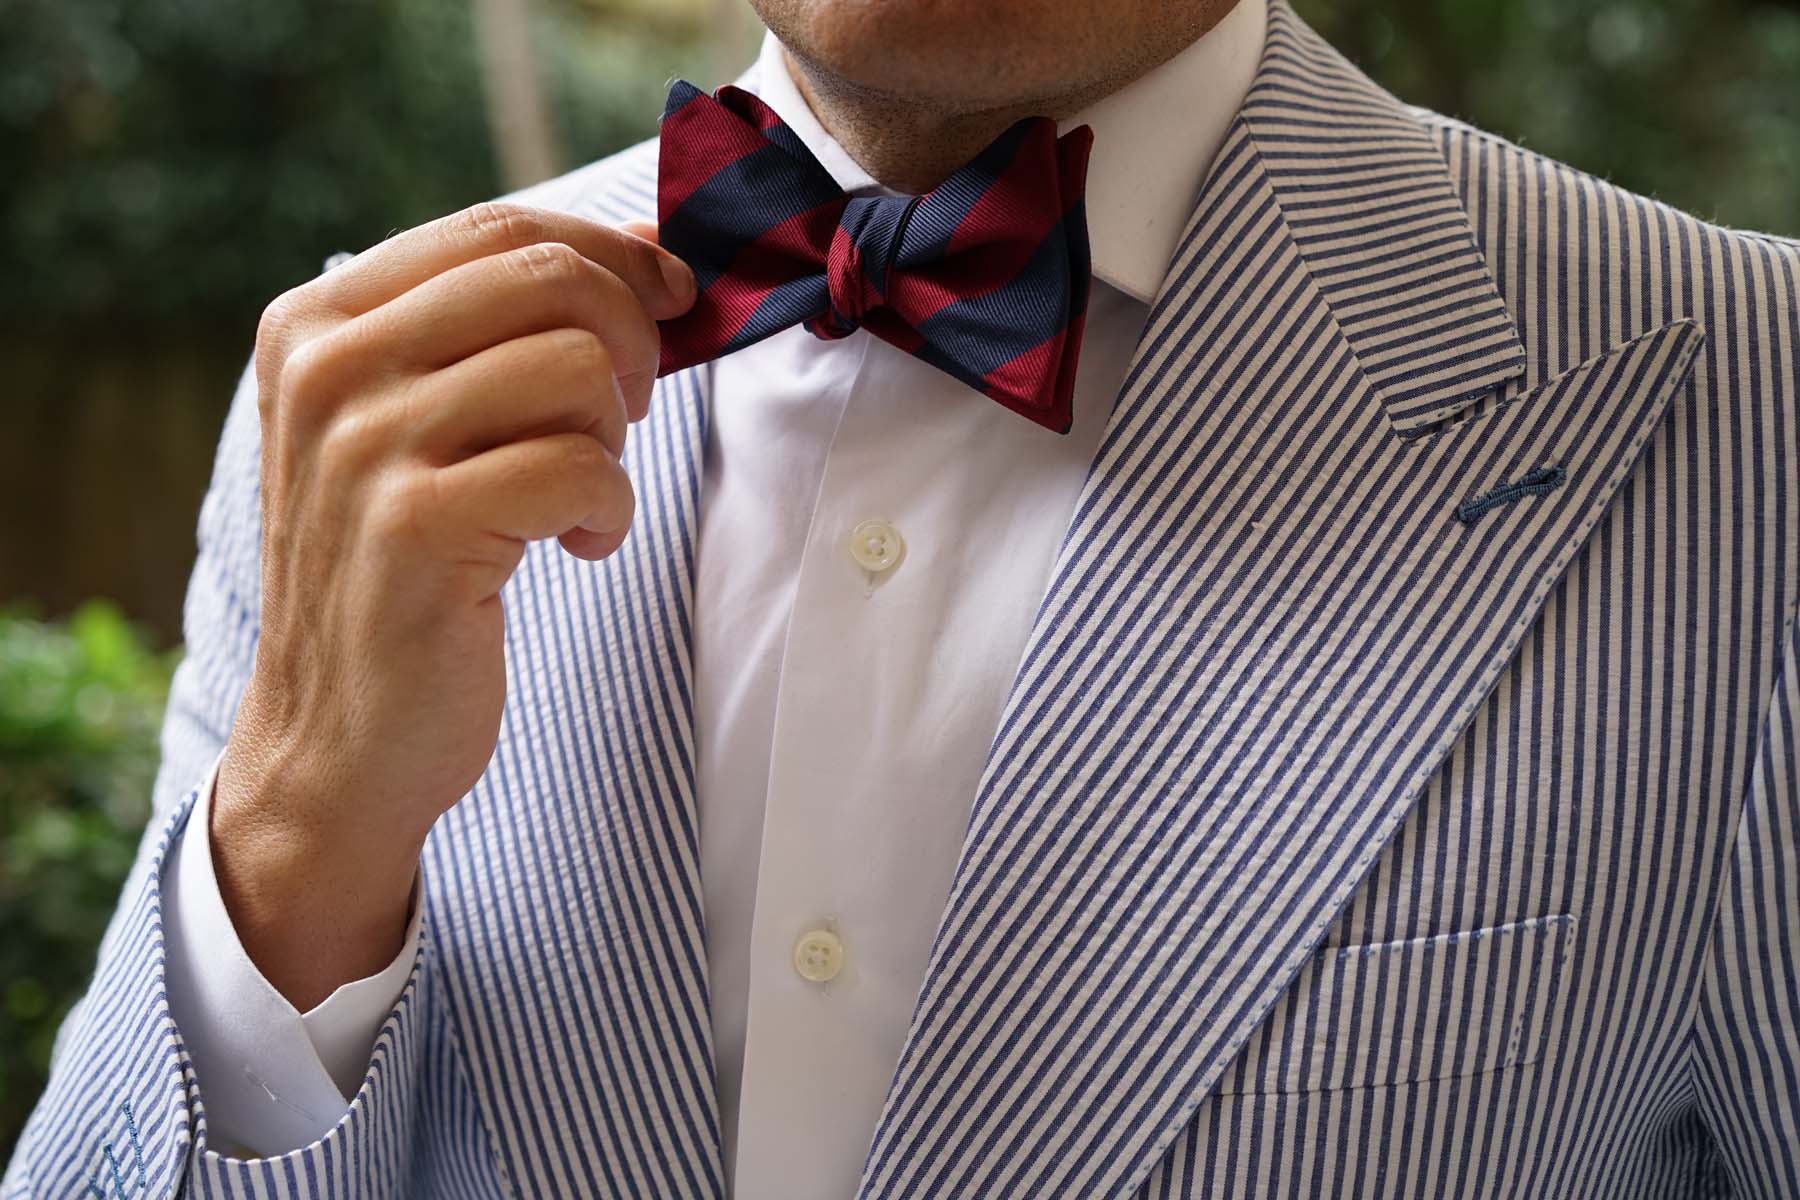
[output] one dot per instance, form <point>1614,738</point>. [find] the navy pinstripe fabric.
<point>1329,844</point>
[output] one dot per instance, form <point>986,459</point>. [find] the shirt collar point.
<point>1140,283</point>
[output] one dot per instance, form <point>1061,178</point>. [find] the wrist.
<point>317,901</point>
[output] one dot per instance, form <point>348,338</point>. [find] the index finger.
<point>662,283</point>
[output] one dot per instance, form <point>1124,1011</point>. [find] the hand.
<point>427,408</point>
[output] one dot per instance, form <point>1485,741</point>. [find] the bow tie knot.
<point>864,246</point>
<point>985,277</point>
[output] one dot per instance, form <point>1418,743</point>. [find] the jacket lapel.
<point>1324,513</point>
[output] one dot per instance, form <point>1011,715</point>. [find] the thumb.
<point>677,274</point>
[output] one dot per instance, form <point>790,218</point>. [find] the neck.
<point>910,141</point>
<point>909,146</point>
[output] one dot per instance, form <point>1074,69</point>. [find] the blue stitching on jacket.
<point>112,1164</point>
<point>1534,483</point>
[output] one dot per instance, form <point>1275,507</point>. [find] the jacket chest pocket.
<point>1407,1012</point>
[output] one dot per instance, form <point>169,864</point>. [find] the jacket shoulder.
<point>619,187</point>
<point>1482,163</point>
<point>1584,264</point>
<point>1469,150</point>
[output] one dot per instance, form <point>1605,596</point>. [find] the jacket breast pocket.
<point>1407,1012</point>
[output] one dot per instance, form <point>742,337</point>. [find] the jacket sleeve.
<point>274,1078</point>
<point>123,1115</point>
<point>1747,1024</point>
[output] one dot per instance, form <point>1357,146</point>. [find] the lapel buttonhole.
<point>1534,483</point>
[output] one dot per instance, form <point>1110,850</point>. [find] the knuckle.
<point>275,331</point>
<point>352,439</point>
<point>586,355</point>
<point>308,373</point>
<point>498,222</point>
<point>278,318</point>
<point>615,417</point>
<point>612,492</point>
<point>551,263</point>
<point>586,458</point>
<point>615,412</point>
<point>400,506</point>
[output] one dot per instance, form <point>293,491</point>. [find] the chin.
<point>959,54</point>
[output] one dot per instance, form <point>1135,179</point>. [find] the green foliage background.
<point>80,703</point>
<point>1695,102</point>
<point>167,166</point>
<point>192,158</point>
<point>179,158</point>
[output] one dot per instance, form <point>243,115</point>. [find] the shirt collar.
<point>1141,183</point>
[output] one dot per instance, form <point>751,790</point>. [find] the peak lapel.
<point>1265,630</point>
<point>1369,205</point>
<point>564,892</point>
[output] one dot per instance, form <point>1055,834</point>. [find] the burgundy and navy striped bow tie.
<point>984,277</point>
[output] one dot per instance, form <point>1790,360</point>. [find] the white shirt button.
<point>876,545</point>
<point>818,956</point>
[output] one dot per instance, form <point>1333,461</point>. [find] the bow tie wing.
<point>990,281</point>
<point>748,207</point>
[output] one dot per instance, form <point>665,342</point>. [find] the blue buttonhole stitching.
<point>112,1164</point>
<point>1534,483</point>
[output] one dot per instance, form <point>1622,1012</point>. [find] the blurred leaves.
<point>1695,102</point>
<point>192,158</point>
<point>80,705</point>
<point>182,158</point>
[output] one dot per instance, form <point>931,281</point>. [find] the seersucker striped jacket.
<point>1397,796</point>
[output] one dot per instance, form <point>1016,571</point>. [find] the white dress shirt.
<point>874,541</point>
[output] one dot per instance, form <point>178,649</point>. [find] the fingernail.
<point>677,276</point>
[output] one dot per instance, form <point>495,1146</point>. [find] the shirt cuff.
<point>273,1079</point>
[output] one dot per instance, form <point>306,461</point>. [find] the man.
<point>1339,738</point>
